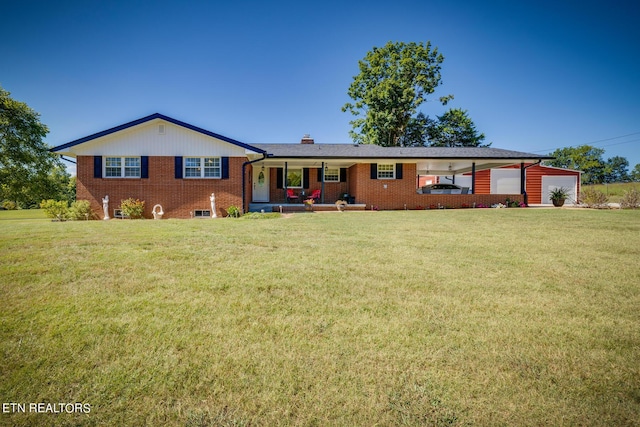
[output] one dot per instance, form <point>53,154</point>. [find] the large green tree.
<point>28,171</point>
<point>454,129</point>
<point>585,158</point>
<point>617,169</point>
<point>393,81</point>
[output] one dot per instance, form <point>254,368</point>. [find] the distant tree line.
<point>595,170</point>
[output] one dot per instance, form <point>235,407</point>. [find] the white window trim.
<point>123,166</point>
<point>301,178</point>
<point>202,167</point>
<point>336,176</point>
<point>393,171</point>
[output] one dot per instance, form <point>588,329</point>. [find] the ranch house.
<point>167,162</point>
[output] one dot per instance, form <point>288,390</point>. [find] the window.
<point>386,171</point>
<point>202,167</point>
<point>332,175</point>
<point>122,167</point>
<point>202,213</point>
<point>294,178</point>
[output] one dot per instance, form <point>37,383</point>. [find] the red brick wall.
<point>178,197</point>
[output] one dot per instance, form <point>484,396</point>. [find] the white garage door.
<point>550,183</point>
<point>505,181</point>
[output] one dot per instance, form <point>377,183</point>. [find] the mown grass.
<point>449,318</point>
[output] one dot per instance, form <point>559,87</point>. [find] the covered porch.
<point>383,178</point>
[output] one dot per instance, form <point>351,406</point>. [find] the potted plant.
<point>558,196</point>
<point>308,204</point>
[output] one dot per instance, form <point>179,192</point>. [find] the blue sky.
<point>534,76</point>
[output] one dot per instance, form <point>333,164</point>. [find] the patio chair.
<point>291,196</point>
<point>315,195</point>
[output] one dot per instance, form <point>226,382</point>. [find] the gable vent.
<point>161,129</point>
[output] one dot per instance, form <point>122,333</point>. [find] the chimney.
<point>306,139</point>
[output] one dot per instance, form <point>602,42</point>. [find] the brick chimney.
<point>306,139</point>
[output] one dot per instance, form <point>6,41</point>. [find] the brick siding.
<point>178,197</point>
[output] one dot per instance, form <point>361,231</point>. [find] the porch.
<point>301,207</point>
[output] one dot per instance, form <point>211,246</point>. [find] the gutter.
<point>524,180</point>
<point>244,181</point>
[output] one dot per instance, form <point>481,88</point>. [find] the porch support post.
<point>473,178</point>
<point>284,181</point>
<point>322,186</point>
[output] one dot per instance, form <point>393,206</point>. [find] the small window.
<point>202,213</point>
<point>117,213</point>
<point>122,167</point>
<point>202,167</point>
<point>332,175</point>
<point>386,171</point>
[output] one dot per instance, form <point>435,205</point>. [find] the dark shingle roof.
<point>344,151</point>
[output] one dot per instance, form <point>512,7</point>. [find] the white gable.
<point>157,138</point>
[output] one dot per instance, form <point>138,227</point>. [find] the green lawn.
<point>449,318</point>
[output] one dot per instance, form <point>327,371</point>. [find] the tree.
<point>28,171</point>
<point>616,170</point>
<point>584,158</point>
<point>393,81</point>
<point>454,129</point>
<point>635,173</point>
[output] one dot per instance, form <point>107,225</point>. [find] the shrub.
<point>55,209</point>
<point>81,209</point>
<point>233,211</point>
<point>132,208</point>
<point>630,199</point>
<point>594,199</point>
<point>9,205</point>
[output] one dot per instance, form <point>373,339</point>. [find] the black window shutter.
<point>398,170</point>
<point>374,171</point>
<point>225,168</point>
<point>144,167</point>
<point>343,174</point>
<point>305,177</point>
<point>279,178</point>
<point>178,167</point>
<point>97,166</point>
<point>319,174</point>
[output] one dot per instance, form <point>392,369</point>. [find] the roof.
<point>150,118</point>
<point>366,151</point>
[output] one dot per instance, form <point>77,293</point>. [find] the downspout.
<point>523,180</point>
<point>244,181</point>
<point>473,178</point>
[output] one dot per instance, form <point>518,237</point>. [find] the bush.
<point>55,209</point>
<point>630,199</point>
<point>81,209</point>
<point>594,199</point>
<point>233,212</point>
<point>9,205</point>
<point>132,208</point>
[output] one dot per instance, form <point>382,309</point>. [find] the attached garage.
<point>539,182</point>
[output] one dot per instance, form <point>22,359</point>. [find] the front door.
<point>260,184</point>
